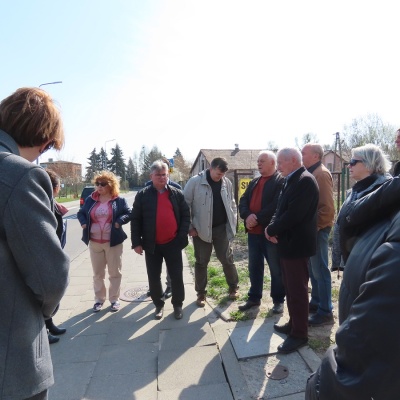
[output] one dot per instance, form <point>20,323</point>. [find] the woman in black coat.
<point>364,362</point>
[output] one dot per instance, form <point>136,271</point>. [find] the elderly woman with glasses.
<point>101,217</point>
<point>369,167</point>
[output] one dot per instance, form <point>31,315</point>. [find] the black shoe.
<point>148,293</point>
<point>277,308</point>
<point>54,330</point>
<point>167,294</point>
<point>249,304</point>
<point>292,344</point>
<point>178,312</point>
<point>335,268</point>
<point>286,328</point>
<point>320,320</point>
<point>52,339</point>
<point>159,312</point>
<point>312,308</point>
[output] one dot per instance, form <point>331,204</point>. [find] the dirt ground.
<point>320,338</point>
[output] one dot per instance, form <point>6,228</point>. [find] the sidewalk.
<point>130,355</point>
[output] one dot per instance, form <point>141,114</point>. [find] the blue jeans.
<point>259,249</point>
<point>320,275</point>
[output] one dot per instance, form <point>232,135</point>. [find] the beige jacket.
<point>198,196</point>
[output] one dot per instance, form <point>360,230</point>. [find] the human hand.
<point>138,250</point>
<point>251,221</point>
<point>193,232</point>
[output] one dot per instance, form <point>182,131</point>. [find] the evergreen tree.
<point>116,163</point>
<point>177,153</point>
<point>103,159</point>
<point>152,156</point>
<point>132,175</point>
<point>94,165</point>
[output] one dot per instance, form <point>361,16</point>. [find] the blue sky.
<point>203,74</point>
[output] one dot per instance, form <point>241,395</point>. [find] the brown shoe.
<point>201,300</point>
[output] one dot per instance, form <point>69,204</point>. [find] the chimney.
<point>236,150</point>
<point>50,160</point>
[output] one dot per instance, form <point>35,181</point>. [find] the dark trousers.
<point>172,254</point>
<point>295,279</point>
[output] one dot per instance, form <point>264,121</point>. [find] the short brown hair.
<point>31,118</point>
<point>54,177</point>
<point>110,178</point>
<point>219,163</point>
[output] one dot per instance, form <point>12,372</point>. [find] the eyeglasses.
<point>353,162</point>
<point>102,184</point>
<point>48,146</point>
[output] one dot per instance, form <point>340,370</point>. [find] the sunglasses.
<point>353,162</point>
<point>49,146</point>
<point>102,184</point>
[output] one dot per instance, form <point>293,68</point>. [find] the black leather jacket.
<point>366,359</point>
<point>143,218</point>
<point>269,200</point>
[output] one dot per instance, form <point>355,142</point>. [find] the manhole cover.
<point>277,372</point>
<point>136,294</point>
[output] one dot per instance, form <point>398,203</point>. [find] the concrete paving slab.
<point>194,366</point>
<point>78,349</point>
<point>234,373</point>
<point>260,386</point>
<point>192,335</point>
<point>144,330</point>
<point>139,386</point>
<point>130,358</point>
<point>71,381</point>
<point>70,302</point>
<point>255,340</point>
<point>191,314</point>
<point>310,358</point>
<point>210,392</point>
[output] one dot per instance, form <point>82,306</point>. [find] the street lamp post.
<point>105,151</point>
<point>50,83</point>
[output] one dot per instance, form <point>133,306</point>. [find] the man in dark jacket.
<point>159,226</point>
<point>294,228</point>
<point>364,362</point>
<point>256,207</point>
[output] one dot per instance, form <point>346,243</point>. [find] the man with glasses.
<point>159,227</point>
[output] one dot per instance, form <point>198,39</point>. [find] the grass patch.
<point>335,294</point>
<point>238,316</point>
<point>319,344</point>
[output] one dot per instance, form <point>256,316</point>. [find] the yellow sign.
<point>243,183</point>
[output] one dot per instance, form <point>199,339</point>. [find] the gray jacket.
<point>33,274</point>
<point>198,196</point>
